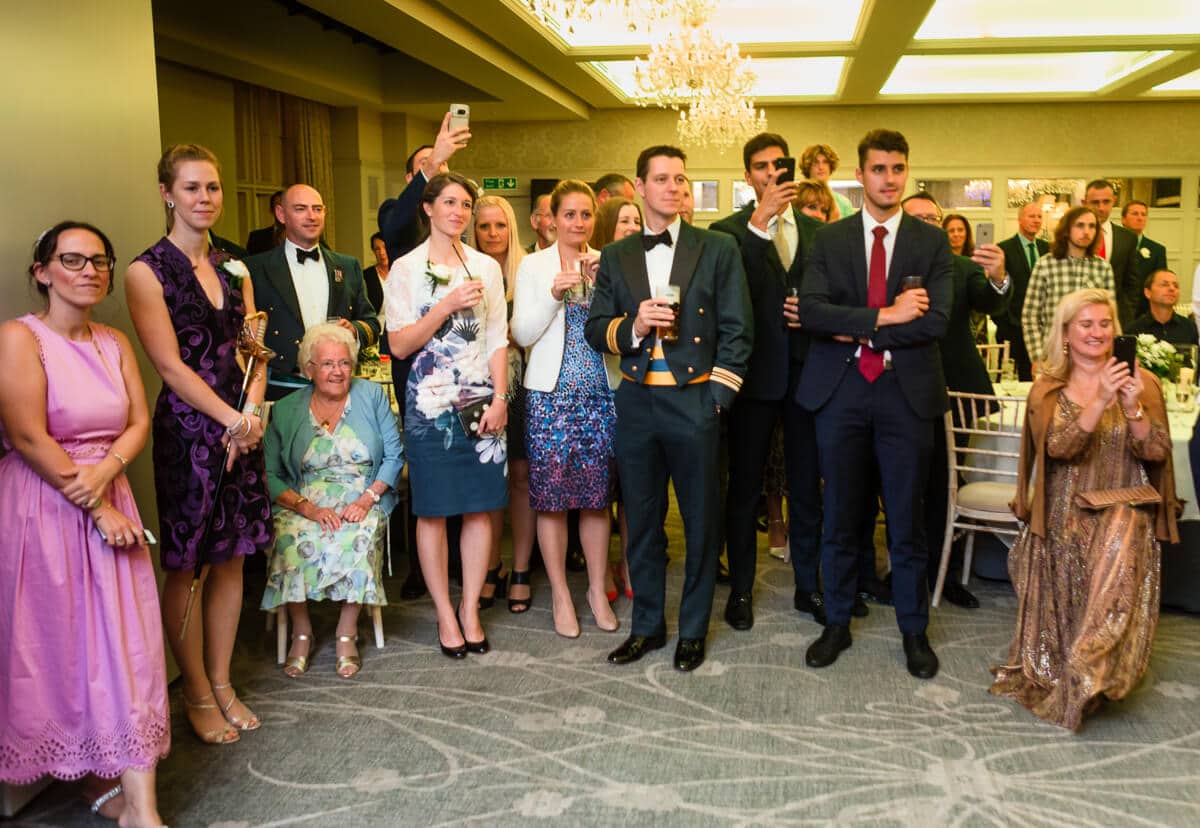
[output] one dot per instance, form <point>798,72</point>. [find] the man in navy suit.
<point>774,237</point>
<point>873,378</point>
<point>302,283</point>
<point>672,394</point>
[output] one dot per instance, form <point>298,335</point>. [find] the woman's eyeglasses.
<point>76,261</point>
<point>329,364</point>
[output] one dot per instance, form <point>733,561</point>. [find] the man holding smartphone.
<point>774,238</point>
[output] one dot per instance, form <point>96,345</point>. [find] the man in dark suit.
<point>674,390</point>
<point>266,238</point>
<point>1161,321</point>
<point>774,237</point>
<point>1117,246</point>
<point>301,283</point>
<point>1149,256</point>
<point>980,285</point>
<point>1021,253</point>
<point>873,377</point>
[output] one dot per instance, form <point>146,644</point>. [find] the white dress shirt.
<point>1108,234</point>
<point>658,264</point>
<point>791,233</point>
<point>312,285</point>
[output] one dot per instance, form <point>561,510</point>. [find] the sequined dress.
<point>1088,591</point>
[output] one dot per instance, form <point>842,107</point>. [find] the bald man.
<point>302,283</point>
<point>1021,253</point>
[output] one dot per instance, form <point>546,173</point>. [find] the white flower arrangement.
<point>1159,357</point>
<point>1145,251</point>
<point>236,270</point>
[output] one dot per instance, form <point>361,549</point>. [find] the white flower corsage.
<point>1145,251</point>
<point>236,270</point>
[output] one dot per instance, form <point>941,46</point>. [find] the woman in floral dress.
<point>446,311</point>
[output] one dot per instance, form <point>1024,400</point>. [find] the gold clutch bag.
<point>1143,495</point>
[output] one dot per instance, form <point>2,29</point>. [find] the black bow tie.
<point>650,242</point>
<point>302,255</point>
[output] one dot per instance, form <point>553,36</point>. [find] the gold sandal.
<point>298,666</point>
<point>345,662</point>
<point>211,737</point>
<point>253,723</point>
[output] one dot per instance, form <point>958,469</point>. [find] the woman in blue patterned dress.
<point>446,311</point>
<point>570,411</point>
<point>188,301</point>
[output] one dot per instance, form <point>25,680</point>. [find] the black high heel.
<point>452,652</point>
<point>500,584</point>
<point>519,605</point>
<point>478,647</point>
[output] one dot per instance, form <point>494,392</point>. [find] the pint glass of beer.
<point>670,333</point>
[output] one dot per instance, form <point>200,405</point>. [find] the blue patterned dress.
<point>570,429</point>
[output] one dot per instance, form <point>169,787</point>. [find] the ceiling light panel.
<point>777,77</point>
<point>1013,74</point>
<point>737,21</point>
<point>971,19</point>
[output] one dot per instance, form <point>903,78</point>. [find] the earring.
<point>1066,349</point>
<point>170,205</point>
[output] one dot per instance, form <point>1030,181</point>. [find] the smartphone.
<point>1125,349</point>
<point>985,233</point>
<point>787,169</point>
<point>149,537</point>
<point>460,116</point>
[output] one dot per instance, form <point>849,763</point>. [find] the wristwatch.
<point>253,408</point>
<point>373,495</point>
<point>503,397</point>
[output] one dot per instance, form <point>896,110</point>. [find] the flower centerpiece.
<point>1159,357</point>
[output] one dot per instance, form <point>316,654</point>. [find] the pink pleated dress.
<point>82,675</point>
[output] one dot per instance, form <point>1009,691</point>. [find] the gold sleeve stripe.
<point>726,382</point>
<point>727,377</point>
<point>610,335</point>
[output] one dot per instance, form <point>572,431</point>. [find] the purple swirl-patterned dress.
<point>187,444</point>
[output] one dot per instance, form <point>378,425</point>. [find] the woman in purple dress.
<point>83,686</point>
<point>188,301</point>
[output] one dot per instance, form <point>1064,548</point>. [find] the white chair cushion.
<point>987,496</point>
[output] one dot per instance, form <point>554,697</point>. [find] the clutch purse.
<point>1143,495</point>
<point>470,415</point>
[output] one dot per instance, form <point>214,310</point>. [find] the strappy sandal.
<point>520,605</point>
<point>298,665</point>
<point>211,737</point>
<point>253,723</point>
<point>500,584</point>
<point>346,662</point>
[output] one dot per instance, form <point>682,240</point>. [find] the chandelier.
<point>720,122</point>
<point>688,65</point>
<point>638,14</point>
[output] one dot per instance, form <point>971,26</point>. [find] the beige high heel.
<point>253,723</point>
<point>210,737</point>
<point>606,619</point>
<point>346,662</point>
<point>298,665</point>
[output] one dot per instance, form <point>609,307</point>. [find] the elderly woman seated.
<point>333,458</point>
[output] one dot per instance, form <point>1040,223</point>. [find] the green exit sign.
<point>499,183</point>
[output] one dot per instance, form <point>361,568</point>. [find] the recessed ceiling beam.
<point>886,30</point>
<point>1161,71</point>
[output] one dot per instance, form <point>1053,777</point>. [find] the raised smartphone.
<point>460,116</point>
<point>985,233</point>
<point>787,169</point>
<point>1125,349</point>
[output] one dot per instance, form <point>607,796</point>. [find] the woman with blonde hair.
<point>1087,578</point>
<point>494,232</point>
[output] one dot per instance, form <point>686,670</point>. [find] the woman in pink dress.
<point>82,676</point>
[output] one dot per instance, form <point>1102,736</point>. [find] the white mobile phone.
<point>460,116</point>
<point>985,233</point>
<point>149,536</point>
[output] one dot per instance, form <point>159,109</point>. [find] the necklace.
<point>327,421</point>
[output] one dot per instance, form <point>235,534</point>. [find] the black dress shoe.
<point>811,602</point>
<point>453,652</point>
<point>413,587</point>
<point>859,608</point>
<point>479,647</point>
<point>739,610</point>
<point>689,654</point>
<point>637,646</point>
<point>958,595</point>
<point>922,661</point>
<point>825,650</point>
<point>722,572</point>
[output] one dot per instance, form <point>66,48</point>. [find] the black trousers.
<point>751,423</point>
<point>669,433</point>
<point>863,423</point>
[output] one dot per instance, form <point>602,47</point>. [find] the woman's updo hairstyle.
<point>168,166</point>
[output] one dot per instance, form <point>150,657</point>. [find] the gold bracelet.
<point>123,461</point>
<point>295,507</point>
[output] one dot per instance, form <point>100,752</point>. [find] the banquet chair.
<point>994,357</point>
<point>983,444</point>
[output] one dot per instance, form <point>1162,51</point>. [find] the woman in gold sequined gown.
<point>1087,582</point>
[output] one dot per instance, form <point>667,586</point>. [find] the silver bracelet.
<point>240,421</point>
<point>374,496</point>
<point>124,463</point>
<point>253,408</point>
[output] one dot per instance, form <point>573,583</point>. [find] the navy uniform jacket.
<point>716,327</point>
<point>833,301</point>
<point>774,342</point>
<point>275,293</point>
<point>961,361</point>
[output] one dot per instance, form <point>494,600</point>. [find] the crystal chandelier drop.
<point>720,122</point>
<point>639,15</point>
<point>691,64</point>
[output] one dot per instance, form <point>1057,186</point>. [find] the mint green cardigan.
<point>368,412</point>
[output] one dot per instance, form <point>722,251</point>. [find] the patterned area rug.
<point>542,730</point>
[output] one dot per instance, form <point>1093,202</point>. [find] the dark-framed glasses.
<point>76,261</point>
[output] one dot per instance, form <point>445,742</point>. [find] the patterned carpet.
<point>541,730</point>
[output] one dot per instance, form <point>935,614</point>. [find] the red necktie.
<point>1101,251</point>
<point>870,362</point>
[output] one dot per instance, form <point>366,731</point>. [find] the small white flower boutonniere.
<point>337,275</point>
<point>1145,251</point>
<point>236,270</point>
